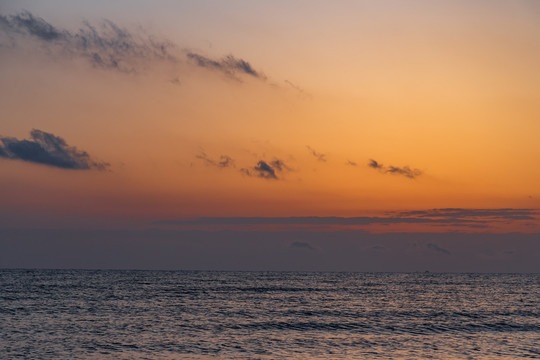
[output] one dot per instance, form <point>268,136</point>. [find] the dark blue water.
<point>48,314</point>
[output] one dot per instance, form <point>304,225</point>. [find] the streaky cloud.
<point>25,22</point>
<point>229,65</point>
<point>460,213</point>
<point>320,156</point>
<point>224,161</point>
<point>111,47</point>
<point>471,219</point>
<point>47,149</point>
<point>106,46</point>
<point>312,220</point>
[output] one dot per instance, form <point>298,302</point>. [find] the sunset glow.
<point>380,117</point>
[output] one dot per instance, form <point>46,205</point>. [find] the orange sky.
<point>444,96</point>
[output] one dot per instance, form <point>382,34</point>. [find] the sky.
<point>241,135</point>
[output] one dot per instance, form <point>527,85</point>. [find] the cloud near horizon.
<point>395,170</point>
<point>47,149</point>
<point>461,218</point>
<point>460,213</point>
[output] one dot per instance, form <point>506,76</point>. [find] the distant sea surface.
<point>76,314</point>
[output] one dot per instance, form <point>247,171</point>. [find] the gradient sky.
<point>332,121</point>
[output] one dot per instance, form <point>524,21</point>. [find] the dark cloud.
<point>266,170</point>
<point>318,155</point>
<point>405,171</point>
<point>229,65</point>
<point>223,162</point>
<point>109,46</point>
<point>374,164</point>
<point>48,149</point>
<point>25,22</point>
<point>262,170</point>
<point>395,170</point>
<point>351,163</point>
<point>105,46</point>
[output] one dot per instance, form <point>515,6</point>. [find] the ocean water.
<point>75,314</point>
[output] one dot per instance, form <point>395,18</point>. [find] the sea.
<point>87,314</point>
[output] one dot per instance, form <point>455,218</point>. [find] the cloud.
<point>266,170</point>
<point>438,249</point>
<point>395,170</point>
<point>105,46</point>
<point>318,155</point>
<point>471,219</point>
<point>109,46</point>
<point>309,220</point>
<point>25,22</point>
<point>48,149</point>
<point>459,213</point>
<point>262,170</point>
<point>374,164</point>
<point>223,162</point>
<point>301,92</point>
<point>351,163</point>
<point>279,165</point>
<point>228,65</point>
<point>405,171</point>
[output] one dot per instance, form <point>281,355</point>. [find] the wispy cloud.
<point>459,213</point>
<point>48,149</point>
<point>228,65</point>
<point>464,219</point>
<point>279,165</point>
<point>351,163</point>
<point>105,46</point>
<point>266,170</point>
<point>301,92</point>
<point>395,170</point>
<point>318,155</point>
<point>310,220</point>
<point>223,161</point>
<point>112,47</point>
